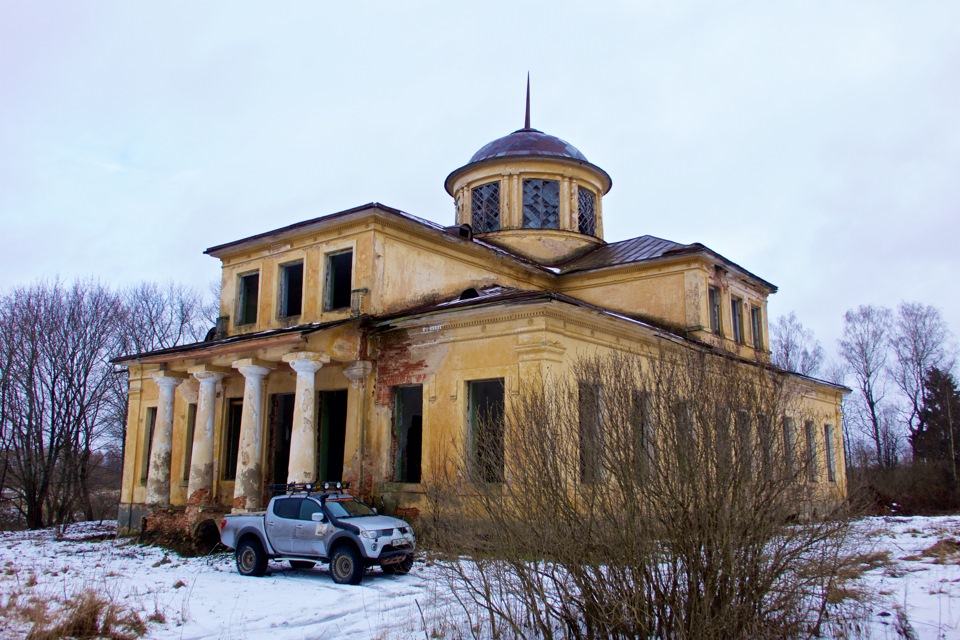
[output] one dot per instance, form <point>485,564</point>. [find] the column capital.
<point>254,362</point>
<point>306,361</point>
<point>252,371</point>
<point>169,379</point>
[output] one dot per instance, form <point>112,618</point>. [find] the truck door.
<point>281,522</point>
<point>310,537</point>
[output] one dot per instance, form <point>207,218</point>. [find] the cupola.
<point>532,193</point>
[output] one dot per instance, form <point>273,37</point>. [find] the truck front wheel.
<point>345,565</point>
<point>251,558</point>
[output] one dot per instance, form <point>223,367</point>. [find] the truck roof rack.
<point>331,486</point>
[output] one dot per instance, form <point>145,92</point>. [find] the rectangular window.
<point>249,292</point>
<point>586,212</point>
<point>486,428</point>
<point>831,453</point>
<point>756,326</point>
<point>736,318</point>
<point>408,433</point>
<point>714,301</point>
<point>812,463</point>
<point>150,421</point>
<point>188,441</point>
<point>745,443</point>
<point>339,280</point>
<point>231,439</point>
<point>765,440</point>
<point>485,207</point>
<point>291,290</point>
<point>541,204</point>
<point>591,432</point>
<point>789,444</point>
<point>643,445</point>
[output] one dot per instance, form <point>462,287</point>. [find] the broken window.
<point>150,421</point>
<point>339,280</point>
<point>736,317</point>
<point>249,291</point>
<point>485,207</point>
<point>642,425</point>
<point>757,327</point>
<point>188,441</point>
<point>591,432</point>
<point>408,433</point>
<point>831,461</point>
<point>586,211</point>
<point>541,204</point>
<point>486,427</point>
<point>789,444</point>
<point>714,301</point>
<point>812,464</point>
<point>291,289</point>
<point>745,442</point>
<point>231,438</point>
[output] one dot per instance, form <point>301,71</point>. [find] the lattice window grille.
<point>541,204</point>
<point>587,215</point>
<point>485,207</point>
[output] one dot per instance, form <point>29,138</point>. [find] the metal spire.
<point>526,121</point>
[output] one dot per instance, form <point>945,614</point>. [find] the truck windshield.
<point>348,508</point>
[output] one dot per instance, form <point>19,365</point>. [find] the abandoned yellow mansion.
<point>361,344</point>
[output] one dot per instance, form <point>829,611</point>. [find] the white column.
<point>303,437</point>
<point>158,473</point>
<point>200,487</point>
<point>247,487</point>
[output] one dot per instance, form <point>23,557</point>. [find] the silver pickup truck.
<point>305,527</point>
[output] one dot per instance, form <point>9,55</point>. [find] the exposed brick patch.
<point>396,365</point>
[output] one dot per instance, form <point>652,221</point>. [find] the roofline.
<point>448,183</point>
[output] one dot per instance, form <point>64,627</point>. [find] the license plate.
<point>400,542</point>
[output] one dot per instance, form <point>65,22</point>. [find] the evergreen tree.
<point>937,436</point>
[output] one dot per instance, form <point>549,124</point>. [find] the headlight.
<point>372,535</point>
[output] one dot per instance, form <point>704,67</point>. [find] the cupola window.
<point>587,212</point>
<point>485,207</point>
<point>541,204</point>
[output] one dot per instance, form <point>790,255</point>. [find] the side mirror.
<point>317,517</point>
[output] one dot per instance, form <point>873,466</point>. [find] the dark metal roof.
<point>623,252</point>
<point>528,142</point>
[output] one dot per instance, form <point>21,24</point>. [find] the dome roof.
<point>528,142</point>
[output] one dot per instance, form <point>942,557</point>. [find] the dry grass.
<point>87,614</point>
<point>943,551</point>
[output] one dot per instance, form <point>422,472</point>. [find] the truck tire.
<point>345,565</point>
<point>301,564</point>
<point>251,558</point>
<point>401,568</point>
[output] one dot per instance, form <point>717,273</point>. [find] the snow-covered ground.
<point>206,597</point>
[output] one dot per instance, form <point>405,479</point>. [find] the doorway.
<point>408,434</point>
<point>281,425</point>
<point>332,433</point>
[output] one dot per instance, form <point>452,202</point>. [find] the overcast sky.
<point>817,144</point>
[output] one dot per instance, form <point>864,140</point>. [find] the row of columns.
<point>248,483</point>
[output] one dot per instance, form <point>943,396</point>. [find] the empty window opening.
<point>248,299</point>
<point>756,326</point>
<point>150,421</point>
<point>469,294</point>
<point>789,444</point>
<point>812,463</point>
<point>281,426</point>
<point>332,432</point>
<point>586,212</point>
<point>591,432</point>
<point>486,427</point>
<point>339,280</point>
<point>408,434</point>
<point>291,289</point>
<point>541,204</point>
<point>745,443</point>
<point>231,438</point>
<point>736,317</point>
<point>644,453</point>
<point>714,301</point>
<point>485,207</point>
<point>831,453</point>
<point>188,441</point>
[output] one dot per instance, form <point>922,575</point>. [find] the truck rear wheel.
<point>345,565</point>
<point>251,558</point>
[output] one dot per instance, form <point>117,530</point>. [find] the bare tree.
<point>863,345</point>
<point>794,347</point>
<point>646,498</point>
<point>919,342</point>
<point>59,339</point>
